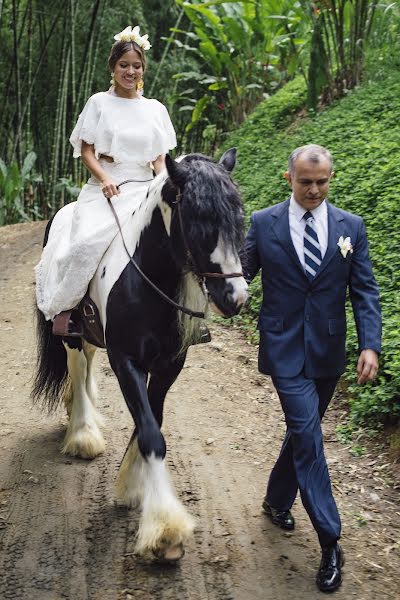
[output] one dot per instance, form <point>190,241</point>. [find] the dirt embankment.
<point>63,537</point>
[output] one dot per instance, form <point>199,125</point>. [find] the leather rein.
<point>201,277</point>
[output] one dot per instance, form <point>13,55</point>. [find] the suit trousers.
<point>301,463</point>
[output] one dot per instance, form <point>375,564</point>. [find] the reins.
<point>200,276</point>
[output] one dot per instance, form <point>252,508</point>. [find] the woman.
<point>119,135</point>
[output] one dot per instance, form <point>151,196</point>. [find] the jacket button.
<point>307,317</point>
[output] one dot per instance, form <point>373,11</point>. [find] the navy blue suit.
<point>302,326</point>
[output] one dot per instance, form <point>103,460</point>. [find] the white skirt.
<point>80,234</point>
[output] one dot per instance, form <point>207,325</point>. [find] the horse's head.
<point>207,225</point>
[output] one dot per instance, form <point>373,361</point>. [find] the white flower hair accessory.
<point>132,34</point>
<point>345,246</point>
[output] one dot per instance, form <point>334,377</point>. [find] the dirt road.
<point>63,537</point>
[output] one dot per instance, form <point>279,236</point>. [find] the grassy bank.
<point>362,132</point>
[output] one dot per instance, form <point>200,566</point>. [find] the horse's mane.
<point>209,189</point>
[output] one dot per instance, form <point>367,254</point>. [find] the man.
<point>309,253</point>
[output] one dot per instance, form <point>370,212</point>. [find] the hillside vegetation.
<point>362,132</point>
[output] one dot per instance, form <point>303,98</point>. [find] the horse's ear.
<point>176,171</point>
<point>228,159</point>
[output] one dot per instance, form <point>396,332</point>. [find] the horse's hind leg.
<point>83,437</point>
<point>91,385</point>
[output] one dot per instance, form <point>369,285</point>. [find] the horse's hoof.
<point>169,554</point>
<point>86,443</point>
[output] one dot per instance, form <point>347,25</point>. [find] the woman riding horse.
<point>179,241</point>
<point>177,249</point>
<point>119,135</point>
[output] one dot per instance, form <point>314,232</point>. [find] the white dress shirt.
<point>297,226</point>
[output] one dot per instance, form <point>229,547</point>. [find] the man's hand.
<point>367,366</point>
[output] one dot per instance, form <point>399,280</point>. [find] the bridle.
<point>201,277</point>
<point>190,260</point>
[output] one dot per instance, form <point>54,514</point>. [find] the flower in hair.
<point>130,34</point>
<point>145,42</point>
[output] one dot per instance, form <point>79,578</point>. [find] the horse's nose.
<point>240,294</point>
<point>242,297</point>
<point>234,300</point>
<point>228,298</point>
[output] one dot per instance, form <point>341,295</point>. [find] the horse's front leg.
<point>143,478</point>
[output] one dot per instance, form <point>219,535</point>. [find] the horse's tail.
<point>51,375</point>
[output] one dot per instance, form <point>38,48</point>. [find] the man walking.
<point>310,253</point>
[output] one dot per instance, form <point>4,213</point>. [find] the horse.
<point>177,251</point>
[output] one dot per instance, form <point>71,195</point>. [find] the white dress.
<point>134,132</point>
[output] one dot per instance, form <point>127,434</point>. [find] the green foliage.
<point>318,75</point>
<point>210,63</point>
<point>363,135</point>
<point>17,191</point>
<point>243,51</point>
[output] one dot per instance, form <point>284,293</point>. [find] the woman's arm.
<point>108,186</point>
<point>159,164</point>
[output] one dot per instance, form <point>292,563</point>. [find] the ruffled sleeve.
<point>164,137</point>
<point>86,126</point>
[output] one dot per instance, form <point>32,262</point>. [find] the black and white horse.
<point>188,231</point>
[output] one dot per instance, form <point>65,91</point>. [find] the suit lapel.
<point>282,232</point>
<point>335,230</point>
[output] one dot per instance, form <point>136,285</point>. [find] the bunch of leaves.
<point>17,195</point>
<point>243,51</point>
<point>362,133</point>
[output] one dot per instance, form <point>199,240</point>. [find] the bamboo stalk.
<point>28,132</point>
<point>30,91</point>
<point>73,10</point>
<point>55,149</point>
<point>86,61</point>
<point>63,122</point>
<point>84,80</point>
<point>16,75</point>
<point>165,53</point>
<point>371,16</point>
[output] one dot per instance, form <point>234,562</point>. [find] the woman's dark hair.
<point>119,48</point>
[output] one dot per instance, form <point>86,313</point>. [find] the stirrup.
<point>64,325</point>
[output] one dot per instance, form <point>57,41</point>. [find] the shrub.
<point>363,135</point>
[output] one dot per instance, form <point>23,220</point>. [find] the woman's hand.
<point>109,188</point>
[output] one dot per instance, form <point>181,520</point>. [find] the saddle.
<point>82,322</point>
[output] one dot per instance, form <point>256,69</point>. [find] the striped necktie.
<point>312,249</point>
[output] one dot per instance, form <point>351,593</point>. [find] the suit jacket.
<point>302,323</point>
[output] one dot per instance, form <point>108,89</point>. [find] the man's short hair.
<point>313,153</point>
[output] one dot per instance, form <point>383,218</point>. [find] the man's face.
<point>310,181</point>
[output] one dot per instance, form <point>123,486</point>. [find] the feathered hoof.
<point>165,540</point>
<point>169,554</point>
<point>85,443</point>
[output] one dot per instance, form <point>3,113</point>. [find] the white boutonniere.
<point>345,246</point>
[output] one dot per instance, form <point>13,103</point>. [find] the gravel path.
<point>62,536</point>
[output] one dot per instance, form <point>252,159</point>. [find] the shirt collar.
<point>298,211</point>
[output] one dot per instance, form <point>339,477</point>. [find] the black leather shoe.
<point>329,576</point>
<point>282,518</point>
